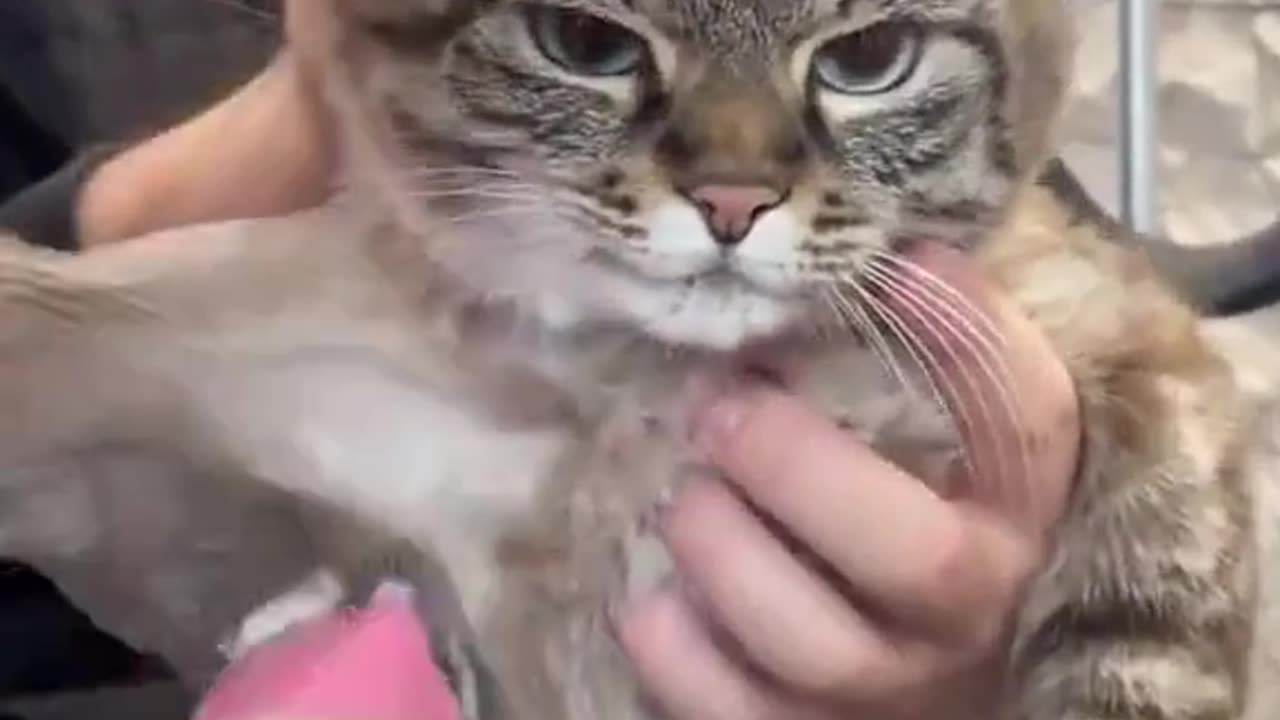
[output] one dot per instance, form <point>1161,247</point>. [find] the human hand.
<point>265,150</point>
<point>911,620</point>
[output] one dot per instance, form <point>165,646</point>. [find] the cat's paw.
<point>319,594</point>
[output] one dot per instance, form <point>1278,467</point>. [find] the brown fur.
<point>1163,507</point>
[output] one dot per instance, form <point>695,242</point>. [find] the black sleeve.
<point>45,213</point>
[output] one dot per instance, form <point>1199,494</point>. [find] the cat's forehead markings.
<point>922,10</point>
<point>734,29</point>
<point>760,13</point>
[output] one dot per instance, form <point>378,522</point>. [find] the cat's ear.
<point>1041,35</point>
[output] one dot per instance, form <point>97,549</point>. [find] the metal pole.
<point>1139,122</point>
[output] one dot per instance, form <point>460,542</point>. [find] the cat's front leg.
<point>1146,610</point>
<point>395,455</point>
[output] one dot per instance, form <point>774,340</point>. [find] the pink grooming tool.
<point>367,664</point>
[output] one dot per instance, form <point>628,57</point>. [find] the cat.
<point>552,214</point>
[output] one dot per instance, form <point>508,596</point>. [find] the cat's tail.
<point>1228,279</point>
<point>1225,279</point>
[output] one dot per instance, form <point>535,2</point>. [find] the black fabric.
<point>28,152</point>
<point>110,70</point>
<point>38,622</point>
<point>45,212</point>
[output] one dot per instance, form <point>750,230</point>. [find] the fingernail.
<point>718,421</point>
<point>624,607</point>
<point>666,498</point>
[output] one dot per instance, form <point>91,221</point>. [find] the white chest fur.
<point>418,464</point>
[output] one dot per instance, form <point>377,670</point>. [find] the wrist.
<point>262,151</point>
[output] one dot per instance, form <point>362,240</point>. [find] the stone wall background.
<point>1219,98</point>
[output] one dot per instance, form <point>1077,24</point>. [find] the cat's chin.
<point>725,331</point>
<point>724,321</point>
<point>714,315</point>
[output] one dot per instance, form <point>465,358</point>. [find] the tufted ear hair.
<point>1041,38</point>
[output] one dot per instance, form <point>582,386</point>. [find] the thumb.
<point>1005,387</point>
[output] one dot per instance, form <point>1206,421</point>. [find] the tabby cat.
<point>552,212</point>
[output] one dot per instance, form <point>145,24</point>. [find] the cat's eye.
<point>874,59</point>
<point>585,44</point>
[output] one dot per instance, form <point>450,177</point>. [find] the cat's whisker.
<point>994,358</point>
<point>245,8</point>
<point>823,329</point>
<point>977,323</point>
<point>902,334</point>
<point>856,314</point>
<point>532,210</point>
<point>929,365</point>
<point>918,351</point>
<point>944,298</point>
<point>461,179</point>
<point>859,319</point>
<point>467,181</point>
<point>524,233</point>
<point>459,170</point>
<point>922,308</point>
<point>988,365</point>
<point>526,242</point>
<point>529,215</point>
<point>479,193</point>
<point>924,275</point>
<point>462,182</point>
<point>934,313</point>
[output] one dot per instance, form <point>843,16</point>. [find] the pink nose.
<point>731,210</point>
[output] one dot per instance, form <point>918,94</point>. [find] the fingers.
<point>905,550</point>
<point>311,27</point>
<point>923,587</point>
<point>682,669</point>
<point>791,621</point>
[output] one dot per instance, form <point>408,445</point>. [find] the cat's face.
<point>707,171</point>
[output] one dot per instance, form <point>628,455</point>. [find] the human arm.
<point>263,149</point>
<point>258,152</point>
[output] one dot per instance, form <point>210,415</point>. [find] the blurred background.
<point>1218,97</point>
<point>1217,103</point>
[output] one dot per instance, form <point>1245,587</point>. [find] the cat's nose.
<point>730,211</point>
